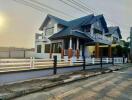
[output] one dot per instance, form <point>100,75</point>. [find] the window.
<point>49,31</point>
<point>56,47</point>
<point>115,39</point>
<point>97,31</point>
<point>86,28</point>
<point>38,48</point>
<point>47,48</point>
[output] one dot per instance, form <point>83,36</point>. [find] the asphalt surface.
<point>110,86</point>
<point>25,75</point>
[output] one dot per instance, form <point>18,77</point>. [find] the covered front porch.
<point>69,47</point>
<point>75,45</point>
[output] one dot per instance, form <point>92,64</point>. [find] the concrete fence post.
<point>107,60</point>
<point>31,62</point>
<point>93,60</point>
<point>24,53</point>
<point>113,61</point>
<point>55,65</point>
<point>126,60</point>
<point>101,63</point>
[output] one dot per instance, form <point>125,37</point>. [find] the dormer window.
<point>97,31</point>
<point>115,40</point>
<point>86,28</point>
<point>49,31</point>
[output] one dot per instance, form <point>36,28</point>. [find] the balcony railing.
<point>101,38</point>
<point>98,38</point>
<point>40,38</point>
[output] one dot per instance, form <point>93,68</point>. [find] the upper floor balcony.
<point>40,38</point>
<point>102,39</point>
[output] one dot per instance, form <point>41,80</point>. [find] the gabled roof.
<point>68,32</point>
<point>56,19</point>
<point>72,25</point>
<point>79,21</point>
<point>101,20</point>
<point>89,19</point>
<point>113,30</point>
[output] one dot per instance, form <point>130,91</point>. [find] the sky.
<point>19,22</point>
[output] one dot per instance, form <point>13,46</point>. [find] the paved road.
<point>20,76</point>
<point>111,86</point>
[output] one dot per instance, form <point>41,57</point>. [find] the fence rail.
<point>7,65</point>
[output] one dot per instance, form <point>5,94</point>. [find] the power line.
<point>76,8</point>
<point>81,6</point>
<point>78,4</point>
<point>29,5</point>
<point>36,7</point>
<point>44,5</point>
<point>111,20</point>
<point>92,9</point>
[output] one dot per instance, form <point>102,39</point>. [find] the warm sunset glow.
<point>2,21</point>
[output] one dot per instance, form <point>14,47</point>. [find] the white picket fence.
<point>117,60</point>
<point>24,64</point>
<point>32,63</point>
<point>28,64</point>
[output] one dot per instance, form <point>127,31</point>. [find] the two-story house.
<point>75,38</point>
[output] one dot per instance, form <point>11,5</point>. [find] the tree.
<point>122,49</point>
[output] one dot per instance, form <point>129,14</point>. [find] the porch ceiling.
<point>94,43</point>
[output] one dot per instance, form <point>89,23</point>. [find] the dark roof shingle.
<point>112,30</point>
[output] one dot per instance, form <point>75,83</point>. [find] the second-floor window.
<point>97,31</point>
<point>115,39</point>
<point>86,28</point>
<point>49,31</point>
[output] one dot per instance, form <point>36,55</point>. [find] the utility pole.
<point>131,44</point>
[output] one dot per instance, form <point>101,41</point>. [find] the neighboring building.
<point>13,52</point>
<point>83,36</point>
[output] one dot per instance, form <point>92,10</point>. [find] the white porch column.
<point>70,43</point>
